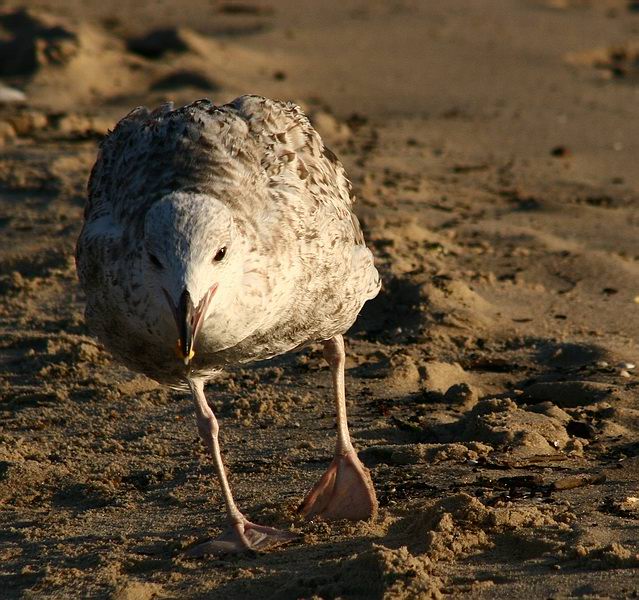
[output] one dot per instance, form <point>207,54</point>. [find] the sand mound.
<point>446,529</point>
<point>403,374</point>
<point>33,40</point>
<point>619,62</point>
<point>572,393</point>
<point>455,304</point>
<point>128,589</point>
<point>50,56</point>
<point>19,474</point>
<point>412,454</point>
<point>55,56</point>
<point>386,574</point>
<point>436,381</point>
<point>613,555</point>
<point>502,424</point>
<point>420,548</point>
<point>332,130</point>
<point>450,383</point>
<point>450,528</point>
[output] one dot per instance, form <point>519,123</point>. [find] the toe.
<point>241,539</point>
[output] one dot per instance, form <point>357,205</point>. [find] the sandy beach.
<point>491,386</point>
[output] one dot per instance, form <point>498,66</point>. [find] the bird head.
<point>191,260</point>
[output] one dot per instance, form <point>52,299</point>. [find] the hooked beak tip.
<point>187,358</point>
<point>188,319</point>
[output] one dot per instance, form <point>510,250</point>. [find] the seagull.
<point>220,235</point>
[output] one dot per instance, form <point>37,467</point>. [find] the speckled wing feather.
<point>299,164</point>
<point>152,153</point>
<point>234,151</point>
<point>307,180</point>
<point>289,196</point>
<point>292,150</point>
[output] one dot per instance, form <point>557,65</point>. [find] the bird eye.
<point>155,261</point>
<point>221,253</point>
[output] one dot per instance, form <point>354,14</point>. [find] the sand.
<point>492,389</point>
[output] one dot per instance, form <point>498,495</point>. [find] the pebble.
<point>329,127</point>
<point>626,365</point>
<point>463,394</point>
<point>27,122</point>
<point>73,124</point>
<point>9,95</point>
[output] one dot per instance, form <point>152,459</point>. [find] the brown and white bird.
<point>221,235</point>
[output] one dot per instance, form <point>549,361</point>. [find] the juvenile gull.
<point>221,235</point>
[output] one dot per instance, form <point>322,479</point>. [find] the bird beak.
<point>188,319</point>
<point>186,327</point>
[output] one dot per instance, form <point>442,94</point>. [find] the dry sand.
<point>493,146</point>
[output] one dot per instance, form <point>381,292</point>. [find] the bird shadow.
<point>396,313</point>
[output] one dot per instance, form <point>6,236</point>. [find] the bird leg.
<point>345,491</point>
<point>241,535</point>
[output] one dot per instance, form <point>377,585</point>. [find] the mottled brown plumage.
<point>222,235</point>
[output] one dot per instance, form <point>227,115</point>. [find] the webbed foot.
<point>345,491</point>
<point>242,537</point>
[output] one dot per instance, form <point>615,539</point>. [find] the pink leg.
<point>241,535</point>
<point>345,491</point>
